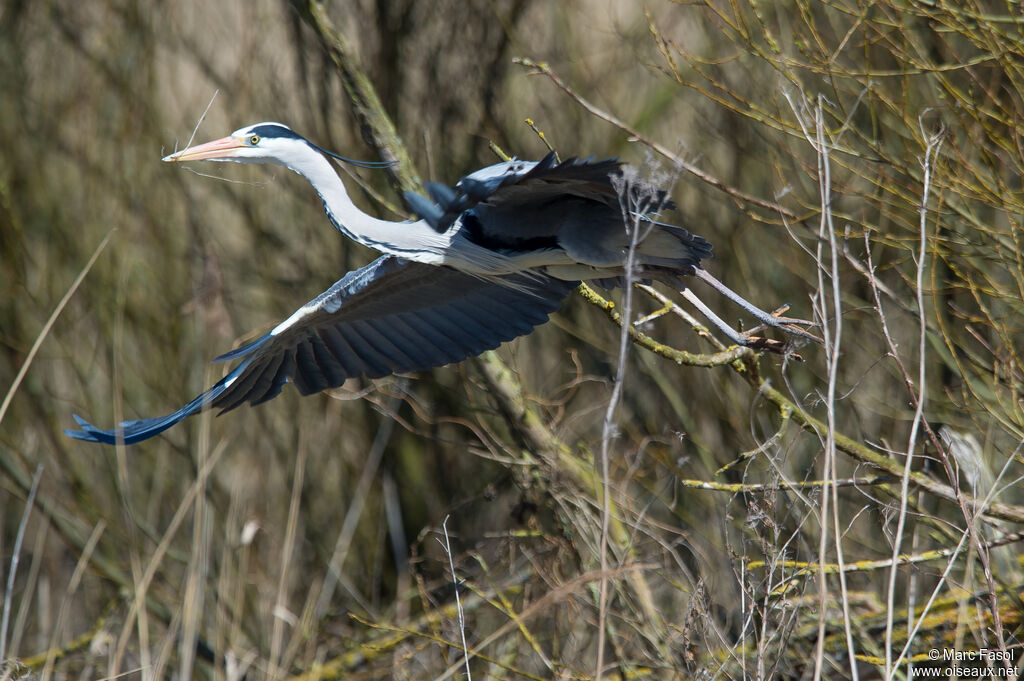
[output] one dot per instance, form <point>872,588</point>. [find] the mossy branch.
<point>376,126</point>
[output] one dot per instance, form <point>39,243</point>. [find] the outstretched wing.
<point>389,317</point>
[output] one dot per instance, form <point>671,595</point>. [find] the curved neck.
<point>411,240</point>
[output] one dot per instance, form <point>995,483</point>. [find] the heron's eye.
<point>254,140</point>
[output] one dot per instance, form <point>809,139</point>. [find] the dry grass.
<point>757,517</point>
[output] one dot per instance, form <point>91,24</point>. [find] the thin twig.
<point>833,377</point>
<point>867,565</point>
<point>832,341</point>
<point>356,506</point>
<point>932,147</point>
<point>141,586</point>
<point>748,487</point>
<point>544,69</point>
<point>608,426</point>
<point>49,324</point>
<point>458,601</point>
<point>281,614</point>
<point>65,604</point>
<point>201,119</point>
<point>555,595</point>
<point>15,558</point>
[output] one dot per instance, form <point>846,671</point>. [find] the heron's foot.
<point>774,318</point>
<point>769,344</point>
<point>790,325</point>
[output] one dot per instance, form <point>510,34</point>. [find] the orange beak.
<point>226,147</point>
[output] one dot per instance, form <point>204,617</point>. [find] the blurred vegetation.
<point>304,538</point>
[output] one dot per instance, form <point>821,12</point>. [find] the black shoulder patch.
<point>474,231</point>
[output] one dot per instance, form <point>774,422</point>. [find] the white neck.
<point>416,241</point>
<point>411,240</point>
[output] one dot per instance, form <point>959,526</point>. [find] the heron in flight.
<point>488,260</point>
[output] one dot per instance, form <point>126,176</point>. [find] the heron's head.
<point>264,143</point>
<point>259,143</point>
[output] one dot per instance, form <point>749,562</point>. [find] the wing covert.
<point>516,182</point>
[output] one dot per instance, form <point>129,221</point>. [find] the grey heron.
<point>490,259</point>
